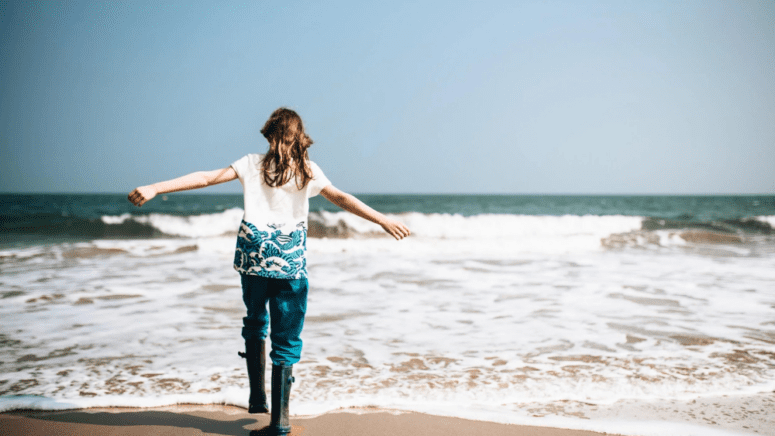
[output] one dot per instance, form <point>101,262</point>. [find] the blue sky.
<point>400,97</point>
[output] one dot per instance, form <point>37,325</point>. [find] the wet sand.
<point>234,421</point>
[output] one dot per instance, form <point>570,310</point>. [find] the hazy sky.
<point>400,97</point>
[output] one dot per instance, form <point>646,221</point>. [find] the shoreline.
<point>712,416</point>
<point>232,420</point>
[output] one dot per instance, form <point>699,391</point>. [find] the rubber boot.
<point>255,355</point>
<point>281,394</point>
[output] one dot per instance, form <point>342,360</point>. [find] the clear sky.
<point>619,97</point>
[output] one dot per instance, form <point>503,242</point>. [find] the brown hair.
<point>287,156</point>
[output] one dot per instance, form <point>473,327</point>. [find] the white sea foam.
<point>194,226</point>
<point>769,219</point>
<point>116,219</point>
<point>521,321</point>
<point>454,226</point>
<point>520,232</point>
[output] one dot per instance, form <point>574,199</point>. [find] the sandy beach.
<point>234,421</point>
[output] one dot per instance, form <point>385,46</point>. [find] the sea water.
<point>590,312</point>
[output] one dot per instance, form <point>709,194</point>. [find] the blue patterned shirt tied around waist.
<point>279,252</point>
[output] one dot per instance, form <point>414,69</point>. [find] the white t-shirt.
<point>272,239</point>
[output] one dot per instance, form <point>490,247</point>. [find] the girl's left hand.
<point>139,196</point>
<point>397,229</point>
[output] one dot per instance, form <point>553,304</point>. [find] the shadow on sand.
<point>156,418</point>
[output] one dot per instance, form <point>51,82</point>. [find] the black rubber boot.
<point>255,355</point>
<point>282,377</point>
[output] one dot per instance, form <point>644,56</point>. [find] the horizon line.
<point>199,192</point>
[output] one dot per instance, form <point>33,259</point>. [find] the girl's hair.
<point>287,156</point>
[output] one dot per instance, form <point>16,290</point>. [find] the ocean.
<point>628,314</point>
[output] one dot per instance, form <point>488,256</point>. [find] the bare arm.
<point>199,179</point>
<point>351,204</point>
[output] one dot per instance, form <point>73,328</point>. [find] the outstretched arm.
<point>199,179</point>
<point>351,204</point>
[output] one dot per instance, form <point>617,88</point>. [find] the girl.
<point>271,248</point>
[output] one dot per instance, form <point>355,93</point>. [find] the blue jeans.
<point>287,301</point>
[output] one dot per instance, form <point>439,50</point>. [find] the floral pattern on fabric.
<point>271,253</point>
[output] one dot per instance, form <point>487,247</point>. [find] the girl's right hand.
<point>397,229</point>
<point>140,195</point>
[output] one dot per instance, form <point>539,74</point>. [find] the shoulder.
<point>318,182</point>
<point>248,165</point>
<point>317,173</point>
<point>251,157</point>
<point>314,166</point>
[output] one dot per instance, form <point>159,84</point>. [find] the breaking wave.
<point>614,231</point>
